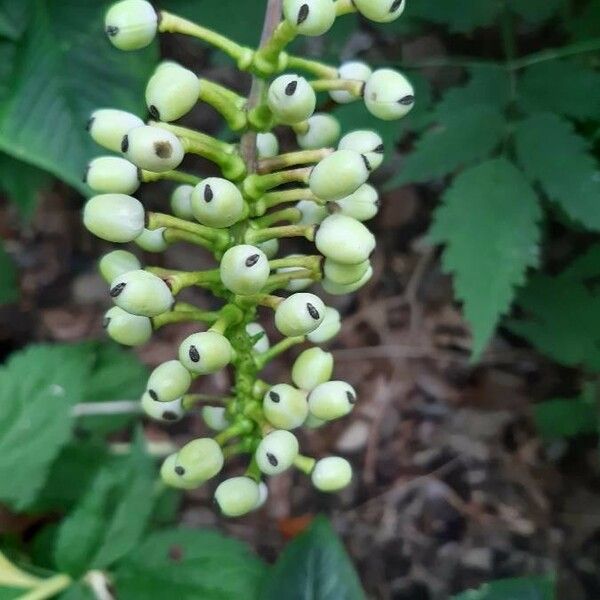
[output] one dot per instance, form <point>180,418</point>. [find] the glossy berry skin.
<point>107,126</point>
<point>181,202</point>
<point>313,367</point>
<point>337,289</point>
<point>170,380</point>
<point>244,269</point>
<point>323,131</point>
<point>263,494</point>
<point>131,24</point>
<point>171,478</point>
<point>309,17</point>
<point>217,202</point>
<point>200,460</point>
<point>111,174</point>
<point>237,496</point>
<point>116,263</point>
<point>267,145</point>
<point>389,95</point>
<point>354,71</point>
<point>215,417</point>
<point>276,452</point>
<point>331,400</point>
<point>299,314</point>
<point>328,329</point>
<point>152,240</point>
<point>312,213</point>
<point>114,217</point>
<point>362,205</point>
<point>171,92</point>
<point>381,11</point>
<point>167,412</point>
<point>365,142</point>
<point>331,474</point>
<point>291,99</point>
<point>125,328</point>
<point>344,240</point>
<point>205,352</point>
<point>285,407</point>
<point>152,148</point>
<point>141,293</point>
<point>262,344</point>
<point>339,175</point>
<point>344,274</point>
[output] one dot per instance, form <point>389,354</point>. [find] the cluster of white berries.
<point>319,192</point>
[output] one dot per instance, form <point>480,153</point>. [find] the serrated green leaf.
<point>22,183</point>
<point>187,564</point>
<point>38,386</point>
<point>535,10</point>
<point>489,221</point>
<point>566,417</point>
<point>67,69</point>
<point>526,588</point>
<point>553,155</point>
<point>562,86</point>
<point>459,15</point>
<point>111,518</point>
<point>9,291</point>
<point>14,16</point>
<point>462,139</point>
<point>314,565</point>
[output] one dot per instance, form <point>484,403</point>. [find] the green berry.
<point>141,293</point>
<point>337,289</point>
<point>172,92</point>
<point>291,99</point>
<point>125,328</point>
<point>263,494</point>
<point>309,17</point>
<point>311,368</point>
<point>299,314</point>
<point>362,205</point>
<point>261,345</point>
<point>270,248</point>
<point>295,285</point>
<point>312,213</point>
<point>170,380</point>
<point>285,407</point>
<point>114,217</point>
<point>381,11</point>
<point>267,145</point>
<point>244,269</point>
<point>339,175</point>
<point>328,329</point>
<point>365,142</point>
<point>170,476</point>
<point>331,400</point>
<point>353,70</point>
<point>344,274</point>
<point>217,202</point>
<point>112,174</point>
<point>205,352</point>
<point>116,263</point>
<point>331,474</point>
<point>131,24</point>
<point>323,131</point>
<point>152,148</point>
<point>389,95</point>
<point>107,126</point>
<point>344,240</point>
<point>168,412</point>
<point>215,417</point>
<point>181,202</point>
<point>276,452</point>
<point>199,460</point>
<point>152,240</point>
<point>237,496</point>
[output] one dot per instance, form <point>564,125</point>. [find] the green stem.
<point>158,220</point>
<point>315,67</point>
<point>184,316</point>
<point>232,432</point>
<point>176,235</point>
<point>179,280</point>
<point>266,60</point>
<point>549,54</point>
<point>191,400</point>
<point>231,111</point>
<point>178,176</point>
<point>256,185</point>
<point>229,315</point>
<point>285,231</point>
<point>202,140</point>
<point>306,262</point>
<point>352,86</point>
<point>49,588</point>
<point>304,464</point>
<point>279,348</point>
<point>272,199</point>
<point>291,159</point>
<point>291,215</point>
<point>279,280</point>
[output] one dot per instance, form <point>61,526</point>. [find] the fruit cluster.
<point>319,192</point>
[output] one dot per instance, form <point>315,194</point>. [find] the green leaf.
<point>535,10</point>
<point>462,139</point>
<point>315,565</point>
<point>489,222</point>
<point>553,155</point>
<point>527,588</point>
<point>9,291</point>
<point>66,69</point>
<point>38,386</point>
<point>567,417</point>
<point>111,518</point>
<point>78,591</point>
<point>14,17</point>
<point>460,16</point>
<point>562,86</point>
<point>187,564</point>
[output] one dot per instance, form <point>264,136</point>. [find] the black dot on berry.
<point>380,149</point>
<point>90,122</point>
<point>208,193</point>
<point>153,395</point>
<point>252,260</point>
<point>111,30</point>
<point>312,311</point>
<point>272,459</point>
<point>291,87</point>
<point>194,354</point>
<point>170,416</point>
<point>395,5</point>
<point>115,291</point>
<point>367,163</point>
<point>351,397</point>
<point>407,100</point>
<point>125,143</point>
<point>105,322</point>
<point>154,111</point>
<point>275,397</point>
<point>179,470</point>
<point>303,14</point>
<point>163,149</point>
